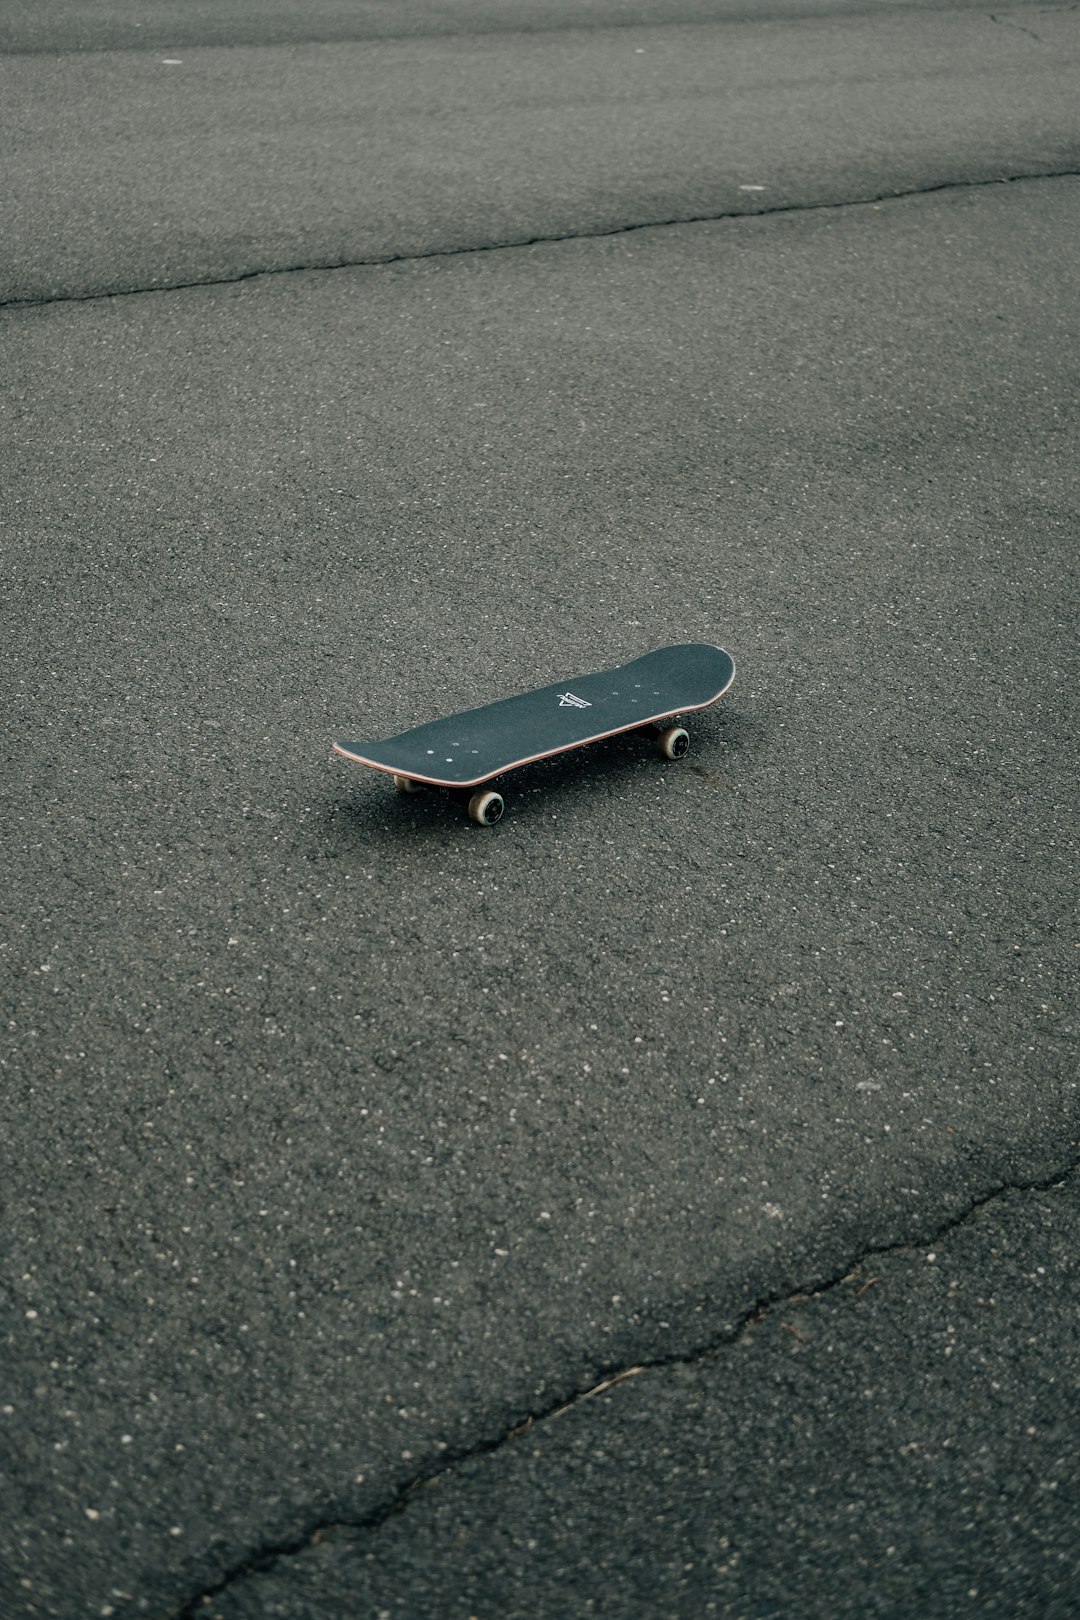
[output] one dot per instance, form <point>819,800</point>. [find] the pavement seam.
<point>612,24</point>
<point>263,1559</point>
<point>1017,28</point>
<point>537,241</point>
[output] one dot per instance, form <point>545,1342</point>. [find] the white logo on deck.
<point>567,700</point>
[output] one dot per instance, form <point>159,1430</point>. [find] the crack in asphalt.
<point>1017,28</point>
<point>538,241</point>
<point>756,11</point>
<point>264,1558</point>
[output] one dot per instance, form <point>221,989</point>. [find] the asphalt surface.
<point>299,156</point>
<point>95,25</point>
<point>762,1478</point>
<point>350,1146</point>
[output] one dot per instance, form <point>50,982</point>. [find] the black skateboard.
<point>465,751</point>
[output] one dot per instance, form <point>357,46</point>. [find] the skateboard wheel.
<point>674,742</point>
<point>486,808</point>
<point>405,784</point>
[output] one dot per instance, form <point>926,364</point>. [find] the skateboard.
<point>464,752</point>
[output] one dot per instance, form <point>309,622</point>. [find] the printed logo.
<point>567,700</point>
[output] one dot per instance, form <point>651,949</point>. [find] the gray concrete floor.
<point>664,1202</point>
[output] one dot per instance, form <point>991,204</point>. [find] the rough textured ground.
<point>348,1143</point>
<point>134,168</point>
<point>899,1442</point>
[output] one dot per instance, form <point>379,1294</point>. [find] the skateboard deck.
<point>465,751</point>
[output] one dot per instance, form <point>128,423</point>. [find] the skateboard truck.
<point>485,806</point>
<point>672,739</point>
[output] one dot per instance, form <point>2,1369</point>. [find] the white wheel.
<point>674,742</point>
<point>405,784</point>
<point>486,808</point>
